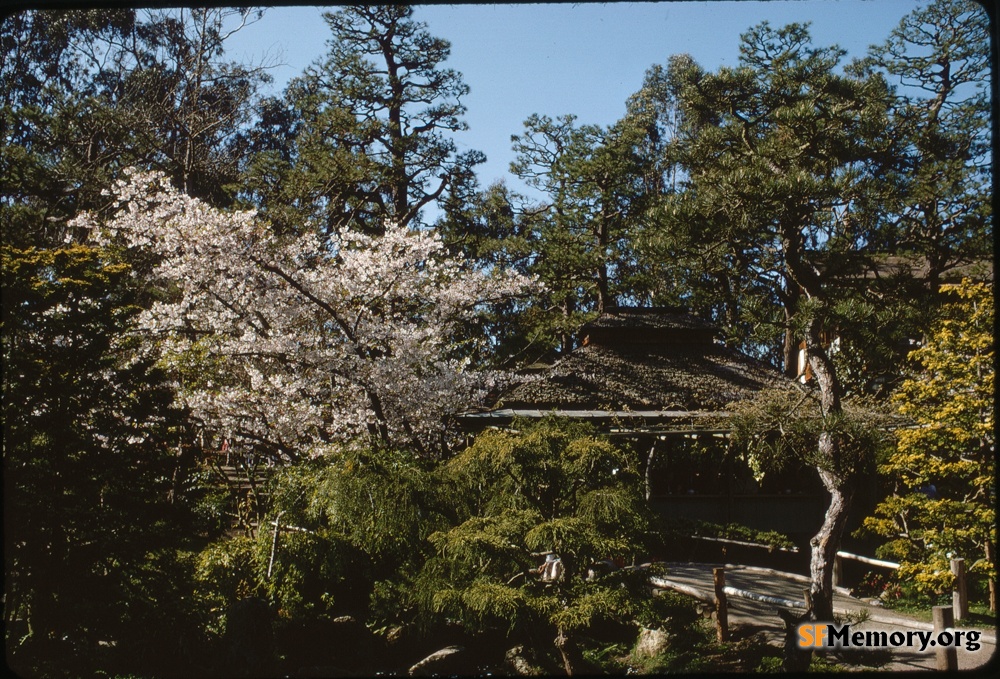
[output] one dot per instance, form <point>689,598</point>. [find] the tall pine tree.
<point>365,136</point>
<point>777,152</point>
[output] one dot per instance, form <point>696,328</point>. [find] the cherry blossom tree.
<point>292,342</point>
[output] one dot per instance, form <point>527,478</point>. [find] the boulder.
<point>515,659</point>
<point>400,646</point>
<point>321,672</point>
<point>446,661</point>
<point>352,640</point>
<point>651,643</point>
<point>395,635</point>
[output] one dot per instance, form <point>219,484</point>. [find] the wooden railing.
<point>960,590</point>
<point>838,565</point>
<point>719,597</point>
<point>743,543</point>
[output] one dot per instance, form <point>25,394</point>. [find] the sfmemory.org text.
<point>830,635</point>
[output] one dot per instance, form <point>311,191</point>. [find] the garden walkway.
<point>761,615</point>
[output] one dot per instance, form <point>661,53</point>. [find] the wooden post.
<point>721,606</point>
<point>960,592</point>
<point>838,571</point>
<point>730,504</point>
<point>991,556</point>
<point>808,598</point>
<point>274,543</point>
<point>947,656</point>
<point>650,459</point>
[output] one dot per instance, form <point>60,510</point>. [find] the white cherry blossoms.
<point>291,342</point>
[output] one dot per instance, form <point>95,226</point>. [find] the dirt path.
<point>787,588</point>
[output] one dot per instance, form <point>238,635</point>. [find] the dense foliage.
<point>88,466</point>
<point>458,550</point>
<point>548,492</point>
<point>316,279</point>
<point>88,93</point>
<point>944,466</point>
<point>361,139</point>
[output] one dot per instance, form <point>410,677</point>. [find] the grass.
<point>608,658</point>
<point>821,664</point>
<point>979,616</point>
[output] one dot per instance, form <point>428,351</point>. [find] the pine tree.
<point>365,137</point>
<point>86,93</point>
<point>778,151</point>
<point>940,209</point>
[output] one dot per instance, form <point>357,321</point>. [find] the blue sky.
<point>584,58</point>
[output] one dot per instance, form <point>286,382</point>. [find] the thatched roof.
<point>658,364</point>
<point>674,378</point>
<point>644,318</point>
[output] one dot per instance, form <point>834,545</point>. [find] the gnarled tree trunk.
<point>826,543</point>
<point>837,477</point>
<point>837,481</point>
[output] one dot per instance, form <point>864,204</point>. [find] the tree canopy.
<point>944,466</point>
<point>364,134</point>
<point>778,151</point>
<point>88,93</point>
<point>553,491</point>
<point>318,278</point>
<point>88,432</point>
<point>291,342</point>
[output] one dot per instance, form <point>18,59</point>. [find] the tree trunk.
<point>837,479</point>
<point>399,182</point>
<point>572,658</point>
<point>650,459</point>
<point>603,279</point>
<point>790,351</point>
<point>827,541</point>
<point>991,559</point>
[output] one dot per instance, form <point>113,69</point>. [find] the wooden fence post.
<point>650,459</point>
<point>947,656</point>
<point>721,606</point>
<point>274,543</point>
<point>838,570</point>
<point>960,593</point>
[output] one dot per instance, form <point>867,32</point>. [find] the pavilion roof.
<point>653,365</point>
<point>647,378</point>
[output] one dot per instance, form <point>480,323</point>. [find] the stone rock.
<point>651,643</point>
<point>395,635</point>
<point>515,659</point>
<point>445,661</point>
<point>399,647</point>
<point>794,659</point>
